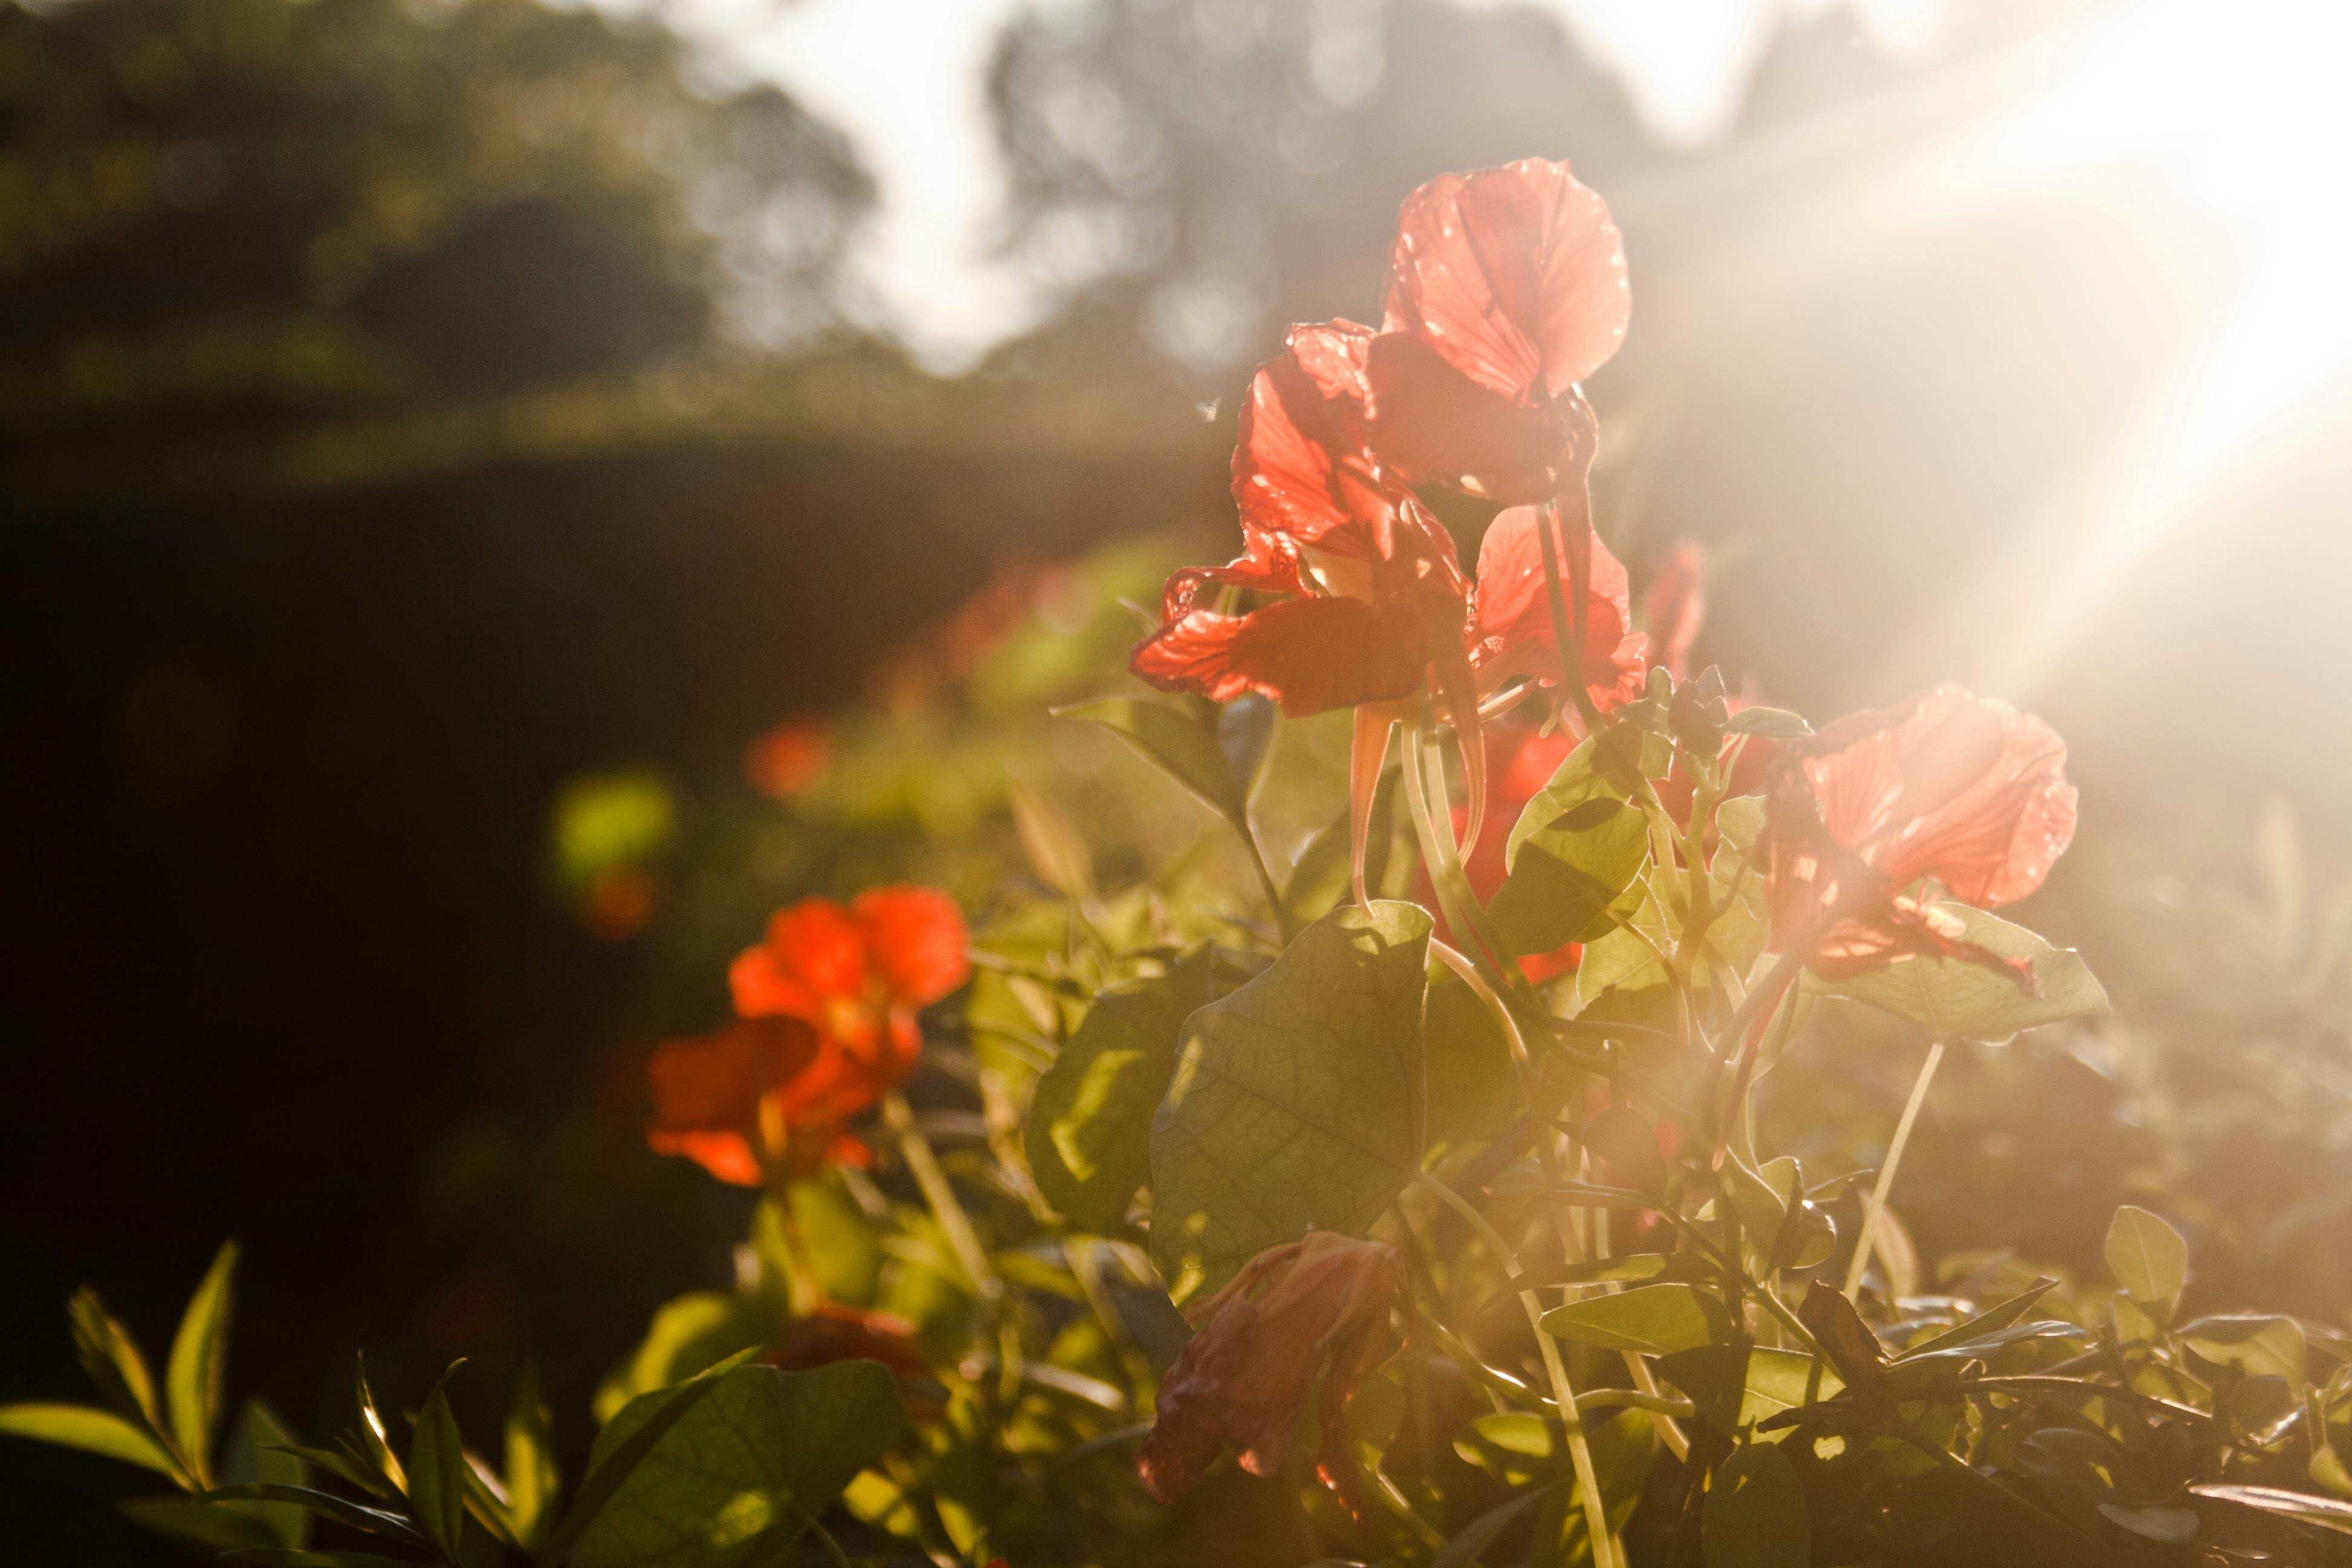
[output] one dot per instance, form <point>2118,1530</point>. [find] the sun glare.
<point>2238,114</point>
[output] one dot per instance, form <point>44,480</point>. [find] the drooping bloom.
<point>1943,795</point>
<point>859,976</point>
<point>758,1092</point>
<point>1316,1306</point>
<point>1507,287</point>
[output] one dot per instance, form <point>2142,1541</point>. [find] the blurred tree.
<point>223,217</point>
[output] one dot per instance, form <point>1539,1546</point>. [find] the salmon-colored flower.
<point>857,975</point>
<point>1945,794</point>
<point>1507,287</point>
<point>759,1092</point>
<point>1321,1306</point>
<point>1514,620</point>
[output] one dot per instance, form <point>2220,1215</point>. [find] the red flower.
<point>788,760</point>
<point>828,1005</point>
<point>1515,621</point>
<point>859,976</point>
<point>760,1091</point>
<point>1945,791</point>
<point>1319,1305</point>
<point>1507,287</point>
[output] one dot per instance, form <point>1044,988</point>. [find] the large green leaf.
<point>2255,1346</point>
<point>437,1470</point>
<point>1298,1102</point>
<point>192,1377</point>
<point>1970,1000</point>
<point>209,1524</point>
<point>1566,875</point>
<point>2148,1258</point>
<point>1609,767</point>
<point>1654,1320</point>
<point>90,1429</point>
<point>1088,1133</point>
<point>1755,1515</point>
<point>1319,883</point>
<point>739,1473</point>
<point>1736,1385</point>
<point>1182,746</point>
<point>111,1358</point>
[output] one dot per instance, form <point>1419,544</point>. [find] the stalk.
<point>1580,1450</point>
<point>945,1206</point>
<point>1885,1183</point>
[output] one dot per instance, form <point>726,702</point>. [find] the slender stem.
<point>946,1207</point>
<point>1265,876</point>
<point>1568,627</point>
<point>1879,1190</point>
<point>1580,1450</point>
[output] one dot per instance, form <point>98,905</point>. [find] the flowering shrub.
<point>1421,1172</point>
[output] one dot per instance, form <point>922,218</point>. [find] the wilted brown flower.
<point>1317,1305</point>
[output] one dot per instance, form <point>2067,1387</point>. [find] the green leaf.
<point>1473,1090</point>
<point>192,1377</point>
<point>1172,741</point>
<point>1755,1515</point>
<point>1088,1133</point>
<point>1772,723</point>
<point>532,1480</point>
<point>689,1334</point>
<point>211,1525</point>
<point>326,1505</point>
<point>2256,1346</point>
<point>1298,1101</point>
<point>2168,1526</point>
<point>111,1356</point>
<point>90,1429</point>
<point>437,1470</point>
<point>1566,875</point>
<point>2148,1258</point>
<point>373,1435</point>
<point>1992,1321</point>
<point>1463,1551</point>
<point>1056,851</point>
<point>2326,1513</point>
<point>1245,728</point>
<point>737,1474</point>
<point>258,1451</point>
<point>614,1457</point>
<point>1610,768</point>
<point>1970,1000</point>
<point>1734,1386</point>
<point>1654,1320</point>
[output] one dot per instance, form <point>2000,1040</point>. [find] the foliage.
<point>1480,1265</point>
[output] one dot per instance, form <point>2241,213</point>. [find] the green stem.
<point>1879,1190</point>
<point>946,1207</point>
<point>1580,1450</point>
<point>1568,626</point>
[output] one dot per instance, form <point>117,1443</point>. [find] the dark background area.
<point>371,468</point>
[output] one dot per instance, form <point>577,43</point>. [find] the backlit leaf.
<point>2148,1258</point>
<point>1972,1001</point>
<point>1772,723</point>
<point>437,1470</point>
<point>192,1377</point>
<point>531,1475</point>
<point>1566,875</point>
<point>2256,1346</point>
<point>1174,741</point>
<point>736,1475</point>
<point>259,1450</point>
<point>1298,1103</point>
<point>1651,1318</point>
<point>90,1429</point>
<point>1088,1133</point>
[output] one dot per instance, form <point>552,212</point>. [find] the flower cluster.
<point>825,1027</point>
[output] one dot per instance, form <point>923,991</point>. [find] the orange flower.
<point>857,975</point>
<point>756,1092</point>
<point>1519,764</point>
<point>1945,791</point>
<point>1320,1305</point>
<point>1515,622</point>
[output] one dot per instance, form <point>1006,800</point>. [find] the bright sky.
<point>906,80</point>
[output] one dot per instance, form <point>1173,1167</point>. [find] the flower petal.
<point>1515,274</point>
<point>916,938</point>
<point>812,951</point>
<point>1300,469</point>
<point>1432,423</point>
<point>707,1092</point>
<point>1309,655</point>
<point>1515,624</point>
